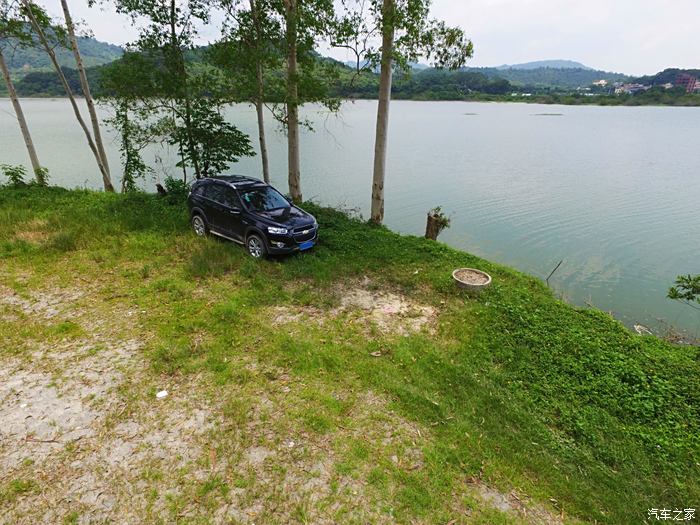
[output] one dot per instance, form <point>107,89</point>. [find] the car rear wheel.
<point>256,247</point>
<point>199,226</point>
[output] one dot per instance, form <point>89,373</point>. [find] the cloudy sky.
<point>628,36</point>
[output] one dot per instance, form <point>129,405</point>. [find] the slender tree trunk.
<point>259,108</point>
<point>52,55</point>
<point>123,119</point>
<point>385,79</point>
<point>86,87</point>
<point>36,166</point>
<point>261,92</point>
<point>182,71</point>
<point>293,102</point>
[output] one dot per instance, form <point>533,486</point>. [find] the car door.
<point>232,224</point>
<point>216,213</point>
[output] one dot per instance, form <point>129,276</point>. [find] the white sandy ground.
<point>80,420</point>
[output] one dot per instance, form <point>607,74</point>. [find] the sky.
<point>628,36</point>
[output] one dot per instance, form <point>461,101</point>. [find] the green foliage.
<point>65,241</point>
<point>41,176</point>
<point>550,77</point>
<point>133,137</point>
<point>15,488</point>
<point>29,59</point>
<point>442,220</point>
<point>668,75</point>
<point>686,290</point>
<point>215,142</point>
<point>416,35</point>
<point>14,174</point>
<point>177,189</point>
<point>178,100</point>
<point>252,41</point>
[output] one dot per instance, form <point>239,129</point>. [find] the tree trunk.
<point>22,121</point>
<point>69,92</point>
<point>263,142</point>
<point>86,88</point>
<point>122,112</point>
<point>182,72</point>
<point>261,93</point>
<point>293,102</point>
<point>385,79</point>
<point>432,227</point>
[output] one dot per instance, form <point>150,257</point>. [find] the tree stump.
<point>433,226</point>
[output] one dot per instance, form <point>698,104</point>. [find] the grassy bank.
<point>438,406</point>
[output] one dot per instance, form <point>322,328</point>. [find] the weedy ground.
<point>350,384</point>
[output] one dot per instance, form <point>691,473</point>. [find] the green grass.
<point>516,387</point>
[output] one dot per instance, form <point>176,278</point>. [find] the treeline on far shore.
<point>425,85</point>
<point>429,84</point>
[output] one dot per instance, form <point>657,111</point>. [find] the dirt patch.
<point>56,398</point>
<point>514,504</point>
<point>81,420</point>
<point>33,231</point>
<point>46,304</point>
<point>387,311</point>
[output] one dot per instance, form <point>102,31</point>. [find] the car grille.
<point>300,236</point>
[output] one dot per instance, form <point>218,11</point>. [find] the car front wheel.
<point>199,226</point>
<point>256,247</point>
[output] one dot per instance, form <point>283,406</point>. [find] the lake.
<point>613,191</point>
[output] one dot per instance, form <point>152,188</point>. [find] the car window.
<point>264,198</point>
<point>230,198</point>
<point>214,192</point>
<point>199,189</point>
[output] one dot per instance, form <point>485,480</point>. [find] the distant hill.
<point>539,75</point>
<point>94,53</point>
<point>538,64</point>
<point>666,76</point>
<point>551,78</point>
<point>415,66</point>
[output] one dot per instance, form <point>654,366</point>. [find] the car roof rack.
<point>239,181</point>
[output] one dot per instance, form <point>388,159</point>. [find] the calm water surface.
<point>615,192</point>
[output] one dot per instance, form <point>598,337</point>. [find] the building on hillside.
<point>600,83</point>
<point>687,82</point>
<point>630,89</point>
<point>667,85</point>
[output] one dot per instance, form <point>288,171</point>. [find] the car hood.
<point>292,217</point>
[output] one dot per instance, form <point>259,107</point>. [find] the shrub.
<point>15,174</point>
<point>177,189</point>
<point>42,176</point>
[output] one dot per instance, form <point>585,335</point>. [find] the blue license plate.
<point>306,245</point>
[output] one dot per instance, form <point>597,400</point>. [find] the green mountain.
<point>551,78</point>
<point>538,64</point>
<point>94,53</point>
<point>667,76</point>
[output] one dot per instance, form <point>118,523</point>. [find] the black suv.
<point>250,212</point>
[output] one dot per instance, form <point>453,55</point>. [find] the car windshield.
<point>264,198</point>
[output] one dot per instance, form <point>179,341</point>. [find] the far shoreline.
<point>506,100</point>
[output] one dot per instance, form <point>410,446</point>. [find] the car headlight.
<point>277,231</point>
